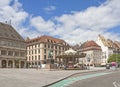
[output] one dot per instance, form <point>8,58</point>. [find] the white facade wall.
<point>105,50</point>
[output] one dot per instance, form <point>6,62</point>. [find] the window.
<point>47,40</point>
<point>55,52</point>
<point>44,50</point>
<point>44,57</point>
<point>3,43</point>
<point>59,52</point>
<point>52,46</point>
<point>35,57</point>
<point>3,52</point>
<point>16,53</point>
<point>38,57</point>
<point>22,46</point>
<point>38,45</point>
<point>45,45</point>
<point>38,50</point>
<point>10,53</point>
<point>59,47</point>
<point>22,54</point>
<point>9,43</point>
<point>48,45</point>
<point>55,47</point>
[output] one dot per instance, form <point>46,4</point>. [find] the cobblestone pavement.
<point>34,77</point>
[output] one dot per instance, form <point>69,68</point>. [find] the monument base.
<point>50,66</point>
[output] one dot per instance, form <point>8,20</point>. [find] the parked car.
<point>107,66</point>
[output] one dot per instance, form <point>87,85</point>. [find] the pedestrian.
<point>113,65</point>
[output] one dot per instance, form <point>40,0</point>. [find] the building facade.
<point>108,47</point>
<point>12,48</point>
<point>93,53</point>
<point>39,50</point>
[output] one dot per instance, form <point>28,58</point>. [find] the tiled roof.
<point>104,41</point>
<point>7,31</point>
<point>47,39</point>
<point>109,43</point>
<point>117,44</point>
<point>90,45</point>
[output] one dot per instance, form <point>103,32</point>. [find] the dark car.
<point>107,66</point>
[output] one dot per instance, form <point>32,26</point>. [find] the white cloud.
<point>49,9</point>
<point>87,24</point>
<point>4,2</point>
<point>41,25</point>
<point>13,13</point>
<point>74,28</point>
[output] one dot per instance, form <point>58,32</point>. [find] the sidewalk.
<point>34,77</point>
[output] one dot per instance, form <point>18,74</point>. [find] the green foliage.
<point>114,58</point>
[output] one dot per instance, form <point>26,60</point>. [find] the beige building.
<point>12,48</point>
<point>93,53</point>
<point>39,50</point>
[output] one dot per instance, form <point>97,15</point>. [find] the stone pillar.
<point>0,52</point>
<point>0,64</point>
<point>13,64</point>
<point>19,64</point>
<point>25,64</point>
<point>7,63</point>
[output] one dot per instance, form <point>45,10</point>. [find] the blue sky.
<point>60,7</point>
<point>71,20</point>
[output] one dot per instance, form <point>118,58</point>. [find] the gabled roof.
<point>90,45</point>
<point>109,43</point>
<point>7,31</point>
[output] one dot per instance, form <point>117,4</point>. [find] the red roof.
<point>90,45</point>
<point>47,39</point>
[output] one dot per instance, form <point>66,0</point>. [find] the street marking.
<point>116,84</point>
<point>74,79</point>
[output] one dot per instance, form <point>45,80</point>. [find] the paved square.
<point>32,77</point>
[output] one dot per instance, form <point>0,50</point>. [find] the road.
<point>107,78</point>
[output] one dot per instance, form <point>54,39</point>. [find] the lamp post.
<point>116,57</point>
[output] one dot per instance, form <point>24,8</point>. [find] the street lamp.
<point>116,57</point>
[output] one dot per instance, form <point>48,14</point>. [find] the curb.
<point>72,75</point>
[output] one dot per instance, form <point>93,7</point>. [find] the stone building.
<point>41,49</point>
<point>12,48</point>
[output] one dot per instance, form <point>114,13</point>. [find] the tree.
<point>114,58</point>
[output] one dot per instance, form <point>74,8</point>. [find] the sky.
<point>74,21</point>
